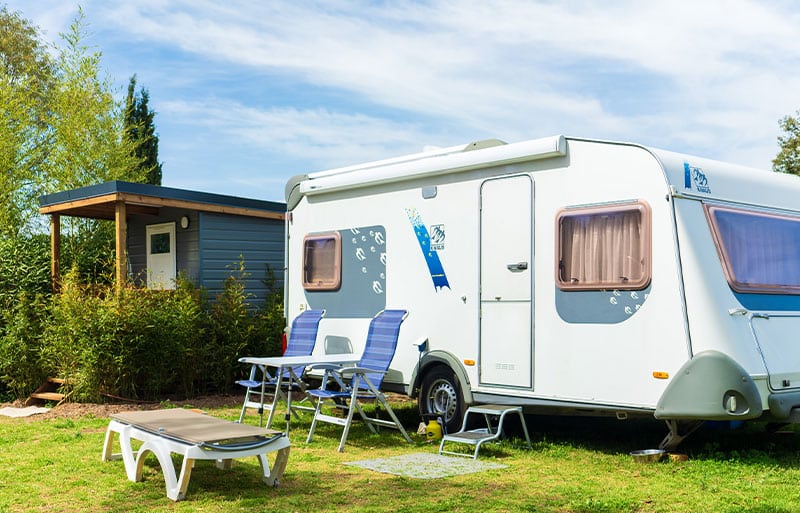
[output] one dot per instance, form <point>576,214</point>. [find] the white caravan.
<point>562,274</point>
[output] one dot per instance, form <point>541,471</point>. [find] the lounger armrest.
<point>255,444</point>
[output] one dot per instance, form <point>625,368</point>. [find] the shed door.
<point>161,266</point>
<point>506,344</point>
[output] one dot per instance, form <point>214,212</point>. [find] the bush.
<point>21,368</point>
<point>238,329</point>
<point>24,267</point>
<point>135,343</point>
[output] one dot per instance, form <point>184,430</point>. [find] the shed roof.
<point>98,201</point>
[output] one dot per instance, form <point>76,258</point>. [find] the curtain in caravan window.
<point>760,252</point>
<point>322,262</point>
<point>604,248</point>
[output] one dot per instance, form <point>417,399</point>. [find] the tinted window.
<point>760,252</point>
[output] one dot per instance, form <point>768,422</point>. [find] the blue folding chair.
<point>365,379</point>
<point>302,339</point>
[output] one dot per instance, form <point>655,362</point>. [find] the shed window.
<point>159,243</point>
<point>760,251</point>
<point>322,262</point>
<point>603,247</point>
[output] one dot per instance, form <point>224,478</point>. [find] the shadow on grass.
<point>751,442</point>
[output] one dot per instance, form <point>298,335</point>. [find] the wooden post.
<point>120,218</point>
<point>55,252</point>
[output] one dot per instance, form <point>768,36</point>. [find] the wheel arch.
<point>440,358</point>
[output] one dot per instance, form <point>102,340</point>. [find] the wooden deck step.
<point>51,390</point>
<point>48,396</point>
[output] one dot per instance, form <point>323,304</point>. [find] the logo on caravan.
<point>430,244</point>
<point>695,175</point>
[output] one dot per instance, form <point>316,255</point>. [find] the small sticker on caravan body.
<point>696,176</point>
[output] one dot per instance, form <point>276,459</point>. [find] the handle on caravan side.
<point>519,266</point>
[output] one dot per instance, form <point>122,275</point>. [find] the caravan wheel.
<point>440,395</point>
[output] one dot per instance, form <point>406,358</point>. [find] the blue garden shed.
<point>162,231</point>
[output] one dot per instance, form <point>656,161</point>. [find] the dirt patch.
<point>69,410</point>
<point>76,410</point>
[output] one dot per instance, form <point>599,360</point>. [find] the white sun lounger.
<point>195,436</point>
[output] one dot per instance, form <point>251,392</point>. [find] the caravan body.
<point>561,274</point>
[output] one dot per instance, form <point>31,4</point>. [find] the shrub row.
<point>135,343</point>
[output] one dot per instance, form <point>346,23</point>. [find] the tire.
<point>440,395</point>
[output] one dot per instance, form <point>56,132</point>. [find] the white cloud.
<point>512,66</point>
<point>319,136</point>
<point>708,77</point>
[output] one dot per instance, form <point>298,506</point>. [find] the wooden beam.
<point>70,205</point>
<point>139,199</point>
<point>94,207</point>
<point>120,220</point>
<point>55,252</point>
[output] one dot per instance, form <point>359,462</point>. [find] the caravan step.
<point>477,437</point>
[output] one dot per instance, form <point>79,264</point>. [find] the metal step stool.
<point>477,437</point>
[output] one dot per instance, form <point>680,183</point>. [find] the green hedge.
<point>135,343</point>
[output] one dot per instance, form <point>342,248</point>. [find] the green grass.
<point>576,465</point>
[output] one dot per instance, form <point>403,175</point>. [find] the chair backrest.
<point>303,336</point>
<point>381,344</point>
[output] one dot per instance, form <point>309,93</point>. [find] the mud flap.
<point>710,386</point>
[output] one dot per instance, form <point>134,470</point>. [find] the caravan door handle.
<point>519,266</point>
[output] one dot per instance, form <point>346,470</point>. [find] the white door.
<point>506,282</point>
<point>161,267</point>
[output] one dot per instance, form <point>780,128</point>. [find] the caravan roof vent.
<point>486,143</point>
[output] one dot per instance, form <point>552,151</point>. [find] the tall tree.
<point>140,129</point>
<point>60,128</point>
<point>26,85</point>
<point>788,158</point>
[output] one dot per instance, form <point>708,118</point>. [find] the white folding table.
<point>195,436</point>
<point>284,366</point>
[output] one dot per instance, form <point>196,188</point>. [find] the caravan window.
<point>760,251</point>
<point>322,262</point>
<point>603,247</point>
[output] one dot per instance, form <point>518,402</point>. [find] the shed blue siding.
<point>225,239</point>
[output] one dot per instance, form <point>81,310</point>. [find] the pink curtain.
<point>320,261</point>
<point>605,249</point>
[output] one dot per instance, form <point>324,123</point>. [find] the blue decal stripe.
<point>687,176</point>
<point>431,256</point>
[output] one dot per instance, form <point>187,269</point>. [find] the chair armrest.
<point>360,370</point>
<point>325,366</point>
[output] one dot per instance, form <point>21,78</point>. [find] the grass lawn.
<point>576,465</point>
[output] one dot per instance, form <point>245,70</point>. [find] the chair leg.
<point>314,421</point>
<point>244,405</point>
<point>349,421</point>
<point>388,408</point>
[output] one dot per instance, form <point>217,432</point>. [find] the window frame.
<point>644,210</point>
<point>726,261</point>
<point>328,285</point>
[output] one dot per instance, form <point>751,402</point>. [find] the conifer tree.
<point>140,129</point>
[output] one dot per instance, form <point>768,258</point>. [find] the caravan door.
<point>506,267</point>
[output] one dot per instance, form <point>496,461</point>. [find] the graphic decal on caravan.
<point>362,289</point>
<point>428,251</point>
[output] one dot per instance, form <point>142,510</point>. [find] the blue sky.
<point>248,94</point>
